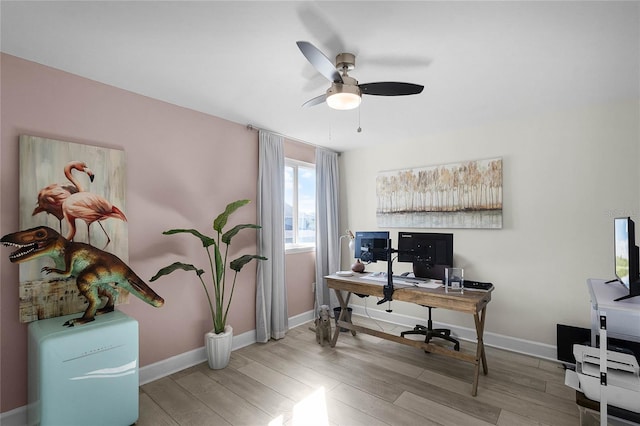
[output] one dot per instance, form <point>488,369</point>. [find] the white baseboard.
<point>15,417</point>
<point>155,371</point>
<point>168,366</point>
<point>300,319</point>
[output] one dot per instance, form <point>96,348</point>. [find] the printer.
<point>623,378</point>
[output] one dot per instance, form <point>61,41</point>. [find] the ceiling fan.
<point>345,92</point>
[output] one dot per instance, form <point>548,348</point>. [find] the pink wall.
<point>182,169</point>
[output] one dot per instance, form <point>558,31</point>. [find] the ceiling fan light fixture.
<point>343,97</point>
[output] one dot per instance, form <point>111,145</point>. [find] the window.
<point>299,204</point>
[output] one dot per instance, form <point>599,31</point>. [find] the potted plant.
<point>218,341</point>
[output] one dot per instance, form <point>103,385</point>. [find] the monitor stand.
<point>634,290</point>
<point>628,296</point>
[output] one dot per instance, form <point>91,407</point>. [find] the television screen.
<point>624,241</point>
<point>371,246</point>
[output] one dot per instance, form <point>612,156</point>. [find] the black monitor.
<point>626,256</point>
<point>429,252</point>
<point>371,246</point>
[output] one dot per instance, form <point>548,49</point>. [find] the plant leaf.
<point>206,241</point>
<point>175,266</point>
<point>226,237</point>
<point>219,270</point>
<point>237,264</point>
<point>220,222</point>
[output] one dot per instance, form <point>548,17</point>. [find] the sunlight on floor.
<point>311,411</point>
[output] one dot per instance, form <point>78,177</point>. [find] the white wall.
<point>567,174</point>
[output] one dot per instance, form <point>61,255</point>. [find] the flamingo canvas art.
<point>51,197</point>
<point>78,190</point>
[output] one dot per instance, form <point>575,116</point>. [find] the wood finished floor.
<point>364,380</point>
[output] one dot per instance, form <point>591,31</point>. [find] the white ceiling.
<point>480,62</point>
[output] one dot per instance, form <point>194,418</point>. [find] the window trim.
<point>297,247</point>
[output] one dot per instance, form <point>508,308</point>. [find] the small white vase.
<point>218,347</point>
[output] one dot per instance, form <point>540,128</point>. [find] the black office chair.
<point>429,332</point>
<point>434,272</point>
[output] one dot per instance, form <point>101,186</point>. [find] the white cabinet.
<point>623,317</point>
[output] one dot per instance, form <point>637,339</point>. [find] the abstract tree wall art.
<point>459,195</point>
<point>79,191</point>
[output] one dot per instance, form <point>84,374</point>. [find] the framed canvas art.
<point>78,191</point>
<point>458,195</point>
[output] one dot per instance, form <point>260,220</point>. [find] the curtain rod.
<point>257,129</point>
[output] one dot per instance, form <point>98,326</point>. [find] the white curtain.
<point>271,292</point>
<point>327,233</point>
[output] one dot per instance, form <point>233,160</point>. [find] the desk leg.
<point>343,312</point>
<point>481,338</point>
<point>346,308</point>
<point>481,357</point>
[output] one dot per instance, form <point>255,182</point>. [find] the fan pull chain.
<point>359,128</point>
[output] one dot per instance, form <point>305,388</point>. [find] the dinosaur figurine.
<point>95,270</point>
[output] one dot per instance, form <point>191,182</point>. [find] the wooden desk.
<point>471,302</point>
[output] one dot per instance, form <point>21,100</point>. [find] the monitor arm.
<point>388,290</point>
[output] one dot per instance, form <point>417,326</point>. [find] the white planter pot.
<point>218,347</point>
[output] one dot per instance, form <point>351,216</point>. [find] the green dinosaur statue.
<point>95,270</point>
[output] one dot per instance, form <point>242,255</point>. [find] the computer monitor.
<point>371,246</point>
<point>429,252</point>
<point>627,259</point>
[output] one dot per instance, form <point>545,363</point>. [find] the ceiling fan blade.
<point>390,88</point>
<point>315,101</point>
<point>321,27</point>
<point>319,61</point>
